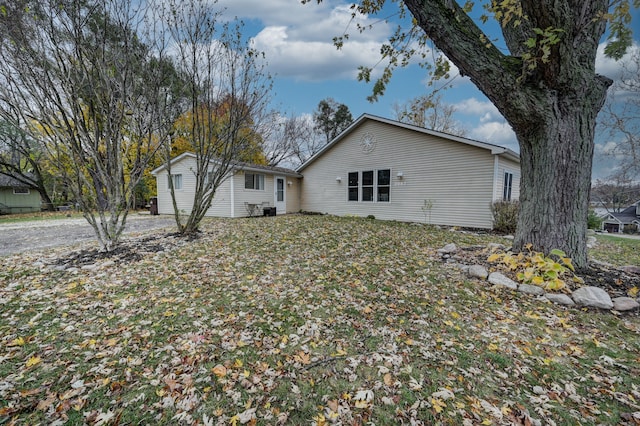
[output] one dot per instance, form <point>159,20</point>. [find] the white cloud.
<point>491,127</point>
<point>607,148</point>
<point>485,109</point>
<point>298,39</point>
<point>313,60</point>
<point>610,67</point>
<point>499,133</point>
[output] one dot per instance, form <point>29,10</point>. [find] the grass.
<point>618,251</point>
<point>27,217</point>
<point>303,320</point>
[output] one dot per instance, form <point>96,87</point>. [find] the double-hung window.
<point>384,185</point>
<point>177,181</point>
<point>507,186</point>
<point>367,185</point>
<point>353,186</point>
<point>370,186</point>
<point>254,181</point>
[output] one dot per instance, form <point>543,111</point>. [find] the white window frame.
<point>21,191</point>
<point>257,181</point>
<point>375,187</point>
<point>507,185</point>
<point>177,181</point>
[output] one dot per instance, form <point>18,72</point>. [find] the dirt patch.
<point>128,250</point>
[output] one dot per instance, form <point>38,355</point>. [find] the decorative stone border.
<point>587,296</point>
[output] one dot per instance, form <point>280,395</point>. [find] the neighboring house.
<point>398,171</point>
<point>628,219</point>
<point>16,197</point>
<point>247,191</point>
<point>377,167</point>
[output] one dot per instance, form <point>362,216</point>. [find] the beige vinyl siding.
<point>252,196</point>
<point>221,204</point>
<point>184,197</point>
<point>506,165</point>
<point>457,178</point>
<point>293,194</point>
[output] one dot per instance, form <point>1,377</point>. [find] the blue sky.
<point>306,66</point>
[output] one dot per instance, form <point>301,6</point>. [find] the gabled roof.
<point>11,182</point>
<point>239,165</point>
<point>495,149</point>
<point>626,216</point>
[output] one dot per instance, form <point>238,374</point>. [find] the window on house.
<point>508,183</point>
<point>384,185</point>
<point>21,191</point>
<point>370,185</point>
<point>177,182</point>
<point>210,177</point>
<point>254,181</point>
<point>353,186</point>
<point>367,185</point>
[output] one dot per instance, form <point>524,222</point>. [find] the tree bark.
<point>555,159</point>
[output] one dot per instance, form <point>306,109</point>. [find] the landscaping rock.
<point>496,246</point>
<point>631,269</point>
<point>531,289</point>
<point>591,242</point>
<point>448,249</point>
<point>560,299</point>
<point>478,271</point>
<point>496,278</point>
<point>593,297</point>
<point>625,304</point>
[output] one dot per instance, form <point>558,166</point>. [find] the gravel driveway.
<point>19,237</point>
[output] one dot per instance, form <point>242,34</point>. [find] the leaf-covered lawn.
<point>304,320</point>
<point>618,251</point>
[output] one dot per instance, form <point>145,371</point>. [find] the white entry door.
<point>280,195</point>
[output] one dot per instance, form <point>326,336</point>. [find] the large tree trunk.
<point>550,100</point>
<point>556,161</point>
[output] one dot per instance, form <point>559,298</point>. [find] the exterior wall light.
<point>400,175</point>
<point>339,179</point>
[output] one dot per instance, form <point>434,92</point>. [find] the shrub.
<point>505,216</point>
<point>593,221</point>
<point>532,267</point>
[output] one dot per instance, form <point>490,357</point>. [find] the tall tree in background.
<point>287,139</point>
<point>80,79</point>
<point>544,84</point>
<point>228,93</point>
<point>331,118</point>
<point>431,112</point>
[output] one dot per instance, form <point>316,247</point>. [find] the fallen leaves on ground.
<point>303,320</point>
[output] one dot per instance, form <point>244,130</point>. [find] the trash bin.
<point>269,211</point>
<point>153,206</point>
